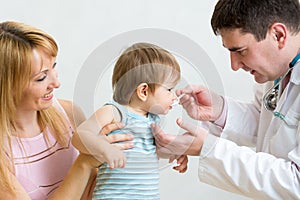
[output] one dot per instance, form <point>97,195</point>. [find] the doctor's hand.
<point>189,143</point>
<point>200,103</point>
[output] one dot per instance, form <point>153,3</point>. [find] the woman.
<point>37,159</point>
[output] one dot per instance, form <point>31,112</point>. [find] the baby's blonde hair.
<point>142,63</point>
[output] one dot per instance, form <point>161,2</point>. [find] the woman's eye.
<point>42,78</point>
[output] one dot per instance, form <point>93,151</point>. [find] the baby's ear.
<point>142,91</point>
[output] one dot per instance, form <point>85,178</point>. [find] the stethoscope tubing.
<point>271,96</point>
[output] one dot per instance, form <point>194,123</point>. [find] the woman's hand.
<point>112,154</point>
<point>105,148</point>
<point>121,141</point>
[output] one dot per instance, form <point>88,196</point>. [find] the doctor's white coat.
<point>272,172</point>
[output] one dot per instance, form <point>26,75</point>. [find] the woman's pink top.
<point>42,166</point>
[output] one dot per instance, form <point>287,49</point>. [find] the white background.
<point>80,27</point>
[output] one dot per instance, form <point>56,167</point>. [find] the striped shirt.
<point>140,177</point>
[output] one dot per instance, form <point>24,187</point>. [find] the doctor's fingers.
<point>160,137</point>
<point>186,99</point>
<point>189,104</point>
<point>179,144</point>
<point>172,144</point>
<point>189,127</point>
<point>198,135</point>
<point>192,129</point>
<point>190,89</point>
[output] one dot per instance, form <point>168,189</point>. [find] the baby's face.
<point>160,102</point>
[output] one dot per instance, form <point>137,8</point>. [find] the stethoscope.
<point>271,96</point>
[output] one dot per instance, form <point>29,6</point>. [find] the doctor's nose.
<point>235,62</point>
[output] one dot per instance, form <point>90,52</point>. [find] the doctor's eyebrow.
<point>234,48</point>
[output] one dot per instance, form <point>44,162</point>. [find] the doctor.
<point>263,37</point>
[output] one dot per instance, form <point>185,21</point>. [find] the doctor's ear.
<point>142,91</point>
<point>279,33</point>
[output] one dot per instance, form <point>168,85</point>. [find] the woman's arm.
<point>71,188</point>
<point>76,180</point>
<point>19,192</point>
<point>76,117</point>
<point>79,181</point>
<point>88,139</point>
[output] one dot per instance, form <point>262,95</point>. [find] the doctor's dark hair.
<point>143,63</point>
<point>255,16</point>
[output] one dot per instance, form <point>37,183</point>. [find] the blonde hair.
<point>142,63</point>
<point>17,41</point>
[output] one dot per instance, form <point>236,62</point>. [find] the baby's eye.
<point>171,90</point>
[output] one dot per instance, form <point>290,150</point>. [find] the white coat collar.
<point>295,75</point>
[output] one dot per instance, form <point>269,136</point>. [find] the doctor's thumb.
<point>186,126</point>
<point>156,129</point>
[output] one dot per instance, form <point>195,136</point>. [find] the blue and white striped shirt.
<point>140,177</point>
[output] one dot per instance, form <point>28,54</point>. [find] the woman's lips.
<point>48,97</point>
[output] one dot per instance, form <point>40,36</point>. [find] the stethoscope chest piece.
<point>271,96</point>
<point>270,100</point>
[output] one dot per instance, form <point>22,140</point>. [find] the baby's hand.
<point>182,162</point>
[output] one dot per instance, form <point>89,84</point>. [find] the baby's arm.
<point>88,139</point>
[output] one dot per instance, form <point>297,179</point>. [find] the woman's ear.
<point>142,91</point>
